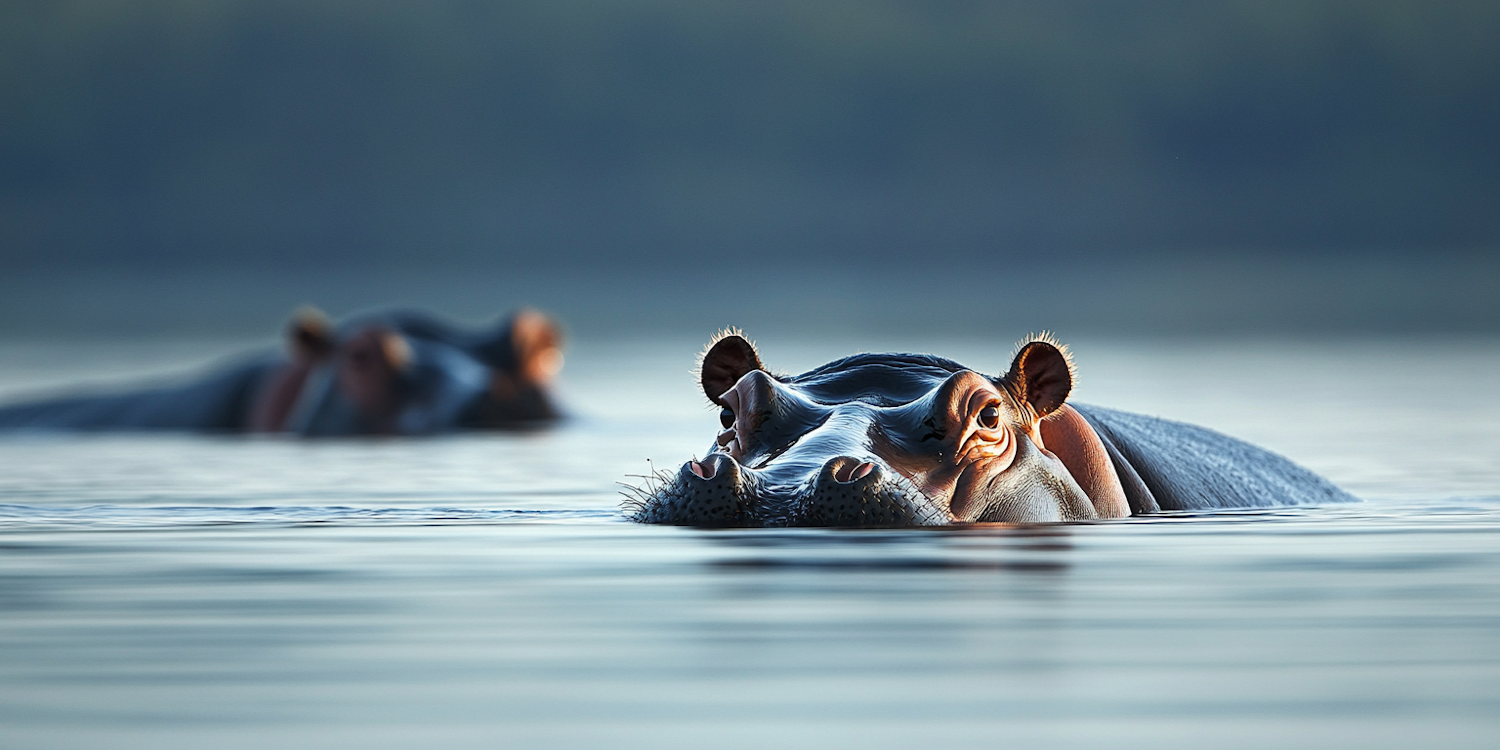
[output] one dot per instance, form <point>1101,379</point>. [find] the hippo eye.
<point>989,417</point>
<point>726,417</point>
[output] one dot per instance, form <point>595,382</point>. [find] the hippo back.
<point>215,403</point>
<point>1166,465</point>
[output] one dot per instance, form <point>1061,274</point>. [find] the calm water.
<point>482,591</point>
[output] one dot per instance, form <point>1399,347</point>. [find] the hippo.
<point>895,440</point>
<point>387,373</point>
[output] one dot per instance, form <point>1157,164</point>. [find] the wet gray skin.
<point>873,440</point>
<point>407,374</point>
<point>389,373</point>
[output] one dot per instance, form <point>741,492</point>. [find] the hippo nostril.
<point>852,472</point>
<point>703,470</point>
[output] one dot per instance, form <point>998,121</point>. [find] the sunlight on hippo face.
<point>873,440</point>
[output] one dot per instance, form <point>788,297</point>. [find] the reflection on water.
<point>482,591</point>
<point>1004,548</point>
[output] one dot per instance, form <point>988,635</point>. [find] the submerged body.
<point>386,373</point>
<point>907,439</point>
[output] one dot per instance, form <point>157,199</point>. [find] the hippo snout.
<point>849,491</point>
<point>718,491</point>
<point>714,492</point>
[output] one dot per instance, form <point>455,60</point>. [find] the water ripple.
<point>14,516</point>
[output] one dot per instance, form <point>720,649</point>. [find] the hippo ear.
<point>727,360</point>
<point>310,335</point>
<point>396,350</point>
<point>538,346</point>
<point>1041,375</point>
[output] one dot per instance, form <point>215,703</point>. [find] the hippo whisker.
<point>637,496</point>
<point>634,499</point>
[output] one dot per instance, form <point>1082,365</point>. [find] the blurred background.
<point>186,167</point>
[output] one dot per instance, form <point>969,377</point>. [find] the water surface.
<point>483,590</point>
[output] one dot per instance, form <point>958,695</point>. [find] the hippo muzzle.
<point>871,441</point>
<point>798,488</point>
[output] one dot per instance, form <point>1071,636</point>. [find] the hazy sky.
<point>1237,159</point>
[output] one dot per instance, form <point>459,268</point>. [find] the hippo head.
<point>873,440</point>
<point>407,373</point>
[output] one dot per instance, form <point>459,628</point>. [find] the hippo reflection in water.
<point>917,440</point>
<point>392,373</point>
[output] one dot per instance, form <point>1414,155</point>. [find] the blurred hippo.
<point>391,373</point>
<point>917,440</point>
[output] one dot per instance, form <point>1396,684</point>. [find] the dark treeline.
<point>650,133</point>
